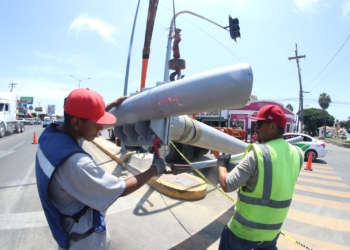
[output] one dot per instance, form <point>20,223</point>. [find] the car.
<point>310,146</point>
<point>342,136</point>
<point>38,121</point>
<point>46,122</point>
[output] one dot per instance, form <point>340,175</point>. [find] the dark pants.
<point>229,241</point>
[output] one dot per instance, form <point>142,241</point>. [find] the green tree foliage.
<point>290,107</point>
<point>30,108</point>
<point>313,119</point>
<point>345,124</point>
<point>324,100</point>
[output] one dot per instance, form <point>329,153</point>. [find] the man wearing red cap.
<point>266,179</point>
<point>72,188</point>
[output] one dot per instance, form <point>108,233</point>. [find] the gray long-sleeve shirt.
<point>246,172</point>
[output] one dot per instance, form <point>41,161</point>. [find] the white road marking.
<point>3,153</point>
<point>38,219</point>
<point>14,197</point>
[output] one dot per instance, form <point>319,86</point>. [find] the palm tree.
<point>290,107</point>
<point>324,100</point>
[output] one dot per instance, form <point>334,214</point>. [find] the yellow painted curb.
<point>193,192</point>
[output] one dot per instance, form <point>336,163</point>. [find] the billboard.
<point>51,109</point>
<point>29,100</point>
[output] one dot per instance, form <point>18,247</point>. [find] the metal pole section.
<point>233,86</point>
<point>236,157</point>
<point>170,37</point>
<point>130,48</point>
<point>301,114</point>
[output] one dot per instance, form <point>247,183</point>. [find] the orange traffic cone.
<point>34,139</point>
<point>309,163</point>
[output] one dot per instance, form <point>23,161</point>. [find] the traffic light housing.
<point>234,28</point>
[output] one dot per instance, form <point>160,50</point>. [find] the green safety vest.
<point>259,215</point>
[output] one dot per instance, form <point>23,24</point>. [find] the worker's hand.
<point>159,164</point>
<point>115,103</point>
<point>223,160</point>
<point>120,100</point>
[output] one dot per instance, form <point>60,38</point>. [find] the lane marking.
<point>325,171</point>
<point>15,196</point>
<point>3,153</point>
<point>311,242</point>
<point>322,166</point>
<point>325,191</point>
<point>335,224</point>
<point>38,219</point>
<point>327,183</point>
<point>308,173</point>
<point>321,202</point>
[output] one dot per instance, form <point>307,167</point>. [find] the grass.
<point>334,139</point>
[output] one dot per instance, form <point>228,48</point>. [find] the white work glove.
<point>159,164</point>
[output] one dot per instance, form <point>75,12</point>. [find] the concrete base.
<point>183,186</point>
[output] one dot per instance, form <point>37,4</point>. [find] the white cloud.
<point>84,22</point>
<point>346,9</point>
<point>306,5</point>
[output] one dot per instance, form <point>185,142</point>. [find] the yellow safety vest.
<point>259,215</point>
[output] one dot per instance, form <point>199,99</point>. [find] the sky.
<point>43,43</point>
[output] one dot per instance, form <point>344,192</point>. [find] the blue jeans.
<point>229,241</point>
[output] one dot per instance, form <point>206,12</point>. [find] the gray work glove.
<point>223,160</point>
<point>159,164</point>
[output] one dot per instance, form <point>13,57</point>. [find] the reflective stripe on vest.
<point>266,201</point>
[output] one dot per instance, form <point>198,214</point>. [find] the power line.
<point>223,47</point>
<point>330,60</point>
<point>12,85</point>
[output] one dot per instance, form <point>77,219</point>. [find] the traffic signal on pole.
<point>234,28</point>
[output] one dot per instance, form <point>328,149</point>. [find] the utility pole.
<point>12,85</point>
<point>301,109</point>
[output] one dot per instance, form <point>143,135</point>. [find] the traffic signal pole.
<point>301,109</point>
<point>170,38</point>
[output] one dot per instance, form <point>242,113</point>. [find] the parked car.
<point>310,146</point>
<point>24,120</point>
<point>329,134</point>
<point>46,122</point>
<point>38,121</point>
<point>342,136</point>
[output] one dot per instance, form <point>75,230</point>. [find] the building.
<point>239,117</point>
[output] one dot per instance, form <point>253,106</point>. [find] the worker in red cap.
<point>73,190</point>
<point>266,179</point>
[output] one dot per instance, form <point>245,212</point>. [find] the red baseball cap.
<point>271,113</point>
<point>88,104</point>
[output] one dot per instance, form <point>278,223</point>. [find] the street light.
<point>170,37</point>
<point>79,79</point>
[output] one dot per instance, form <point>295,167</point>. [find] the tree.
<point>345,125</point>
<point>290,107</point>
<point>324,100</point>
<point>313,119</point>
<point>30,107</point>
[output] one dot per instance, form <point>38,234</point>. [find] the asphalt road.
<point>319,217</point>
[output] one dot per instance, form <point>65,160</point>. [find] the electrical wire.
<point>223,47</point>
<point>329,61</point>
